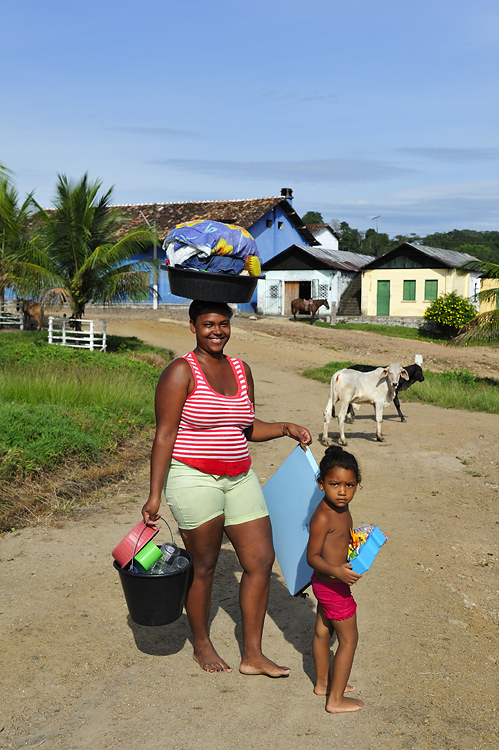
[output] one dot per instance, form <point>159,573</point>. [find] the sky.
<point>365,108</point>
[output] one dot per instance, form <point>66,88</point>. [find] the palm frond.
<point>484,329</point>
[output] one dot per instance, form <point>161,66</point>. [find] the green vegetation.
<point>451,312</point>
<point>482,245</point>
<point>456,389</point>
<point>58,403</point>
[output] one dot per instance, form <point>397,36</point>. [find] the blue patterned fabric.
<point>205,239</point>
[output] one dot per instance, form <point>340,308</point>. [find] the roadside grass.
<point>398,332</point>
<point>455,389</point>
<point>61,407</point>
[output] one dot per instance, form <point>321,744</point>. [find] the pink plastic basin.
<point>133,542</point>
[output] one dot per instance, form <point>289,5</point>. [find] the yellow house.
<point>404,281</point>
<point>489,284</point>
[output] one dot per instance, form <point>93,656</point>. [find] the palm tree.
<point>14,232</point>
<point>78,257</point>
<point>484,328</point>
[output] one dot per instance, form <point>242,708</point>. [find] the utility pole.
<point>375,218</point>
<point>155,285</point>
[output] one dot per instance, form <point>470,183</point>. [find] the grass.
<point>456,389</point>
<point>398,332</point>
<point>60,405</point>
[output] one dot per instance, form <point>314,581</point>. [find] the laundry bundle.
<point>213,247</point>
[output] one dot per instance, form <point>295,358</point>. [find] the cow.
<point>415,376</point>
<point>34,310</point>
<point>308,306</point>
<point>377,387</point>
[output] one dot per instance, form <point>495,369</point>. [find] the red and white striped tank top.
<point>210,434</point>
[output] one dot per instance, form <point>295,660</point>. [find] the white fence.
<point>10,315</point>
<point>92,336</point>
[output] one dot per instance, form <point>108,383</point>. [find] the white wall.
<point>270,304</point>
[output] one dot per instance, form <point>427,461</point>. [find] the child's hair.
<point>336,456</point>
<point>198,307</point>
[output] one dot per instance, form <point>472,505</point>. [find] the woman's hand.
<point>150,512</point>
<point>300,434</point>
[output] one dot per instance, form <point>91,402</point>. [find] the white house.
<point>307,272</point>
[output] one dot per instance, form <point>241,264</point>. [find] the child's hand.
<point>346,574</point>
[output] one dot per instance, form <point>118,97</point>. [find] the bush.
<point>450,312</point>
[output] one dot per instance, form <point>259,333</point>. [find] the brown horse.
<point>32,310</point>
<point>308,306</point>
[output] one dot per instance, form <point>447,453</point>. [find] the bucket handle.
<point>130,565</point>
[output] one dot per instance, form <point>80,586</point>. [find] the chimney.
<point>287,193</point>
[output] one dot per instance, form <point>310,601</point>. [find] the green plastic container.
<point>148,555</point>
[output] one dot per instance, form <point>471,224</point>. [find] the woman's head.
<point>210,322</point>
<point>200,307</point>
<point>337,457</point>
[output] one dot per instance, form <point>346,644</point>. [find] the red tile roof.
<point>242,212</point>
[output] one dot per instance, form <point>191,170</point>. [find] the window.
<point>409,291</point>
<point>280,225</point>
<point>430,289</point>
<point>269,222</point>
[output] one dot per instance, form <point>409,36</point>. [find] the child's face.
<point>339,486</point>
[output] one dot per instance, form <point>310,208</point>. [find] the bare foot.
<point>321,690</point>
<point>264,666</point>
<point>209,660</point>
<point>345,705</point>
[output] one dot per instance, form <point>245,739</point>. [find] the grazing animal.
<point>377,387</point>
<point>308,306</point>
<point>415,376</point>
<point>32,309</point>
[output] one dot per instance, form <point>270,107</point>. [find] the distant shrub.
<point>450,312</point>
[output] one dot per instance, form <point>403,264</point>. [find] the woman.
<point>204,418</point>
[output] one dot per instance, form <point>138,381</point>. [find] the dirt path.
<point>78,674</point>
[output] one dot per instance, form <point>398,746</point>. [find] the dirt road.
<point>78,674</point>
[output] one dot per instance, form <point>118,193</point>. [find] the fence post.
<point>91,335</point>
<point>51,329</point>
<point>63,340</point>
<point>332,316</point>
<point>104,337</point>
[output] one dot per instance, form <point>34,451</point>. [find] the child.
<point>327,552</point>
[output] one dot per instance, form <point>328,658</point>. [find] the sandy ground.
<point>78,674</point>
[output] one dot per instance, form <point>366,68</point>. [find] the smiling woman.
<point>205,415</point>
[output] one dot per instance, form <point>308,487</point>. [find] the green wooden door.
<point>383,298</point>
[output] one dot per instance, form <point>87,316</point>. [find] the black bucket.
<point>155,599</point>
<point>215,287</point>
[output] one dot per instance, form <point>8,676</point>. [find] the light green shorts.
<point>195,497</point>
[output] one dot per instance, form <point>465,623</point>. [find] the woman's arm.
<point>319,528</point>
<point>173,388</point>
<point>260,431</point>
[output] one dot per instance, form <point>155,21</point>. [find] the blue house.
<point>272,221</point>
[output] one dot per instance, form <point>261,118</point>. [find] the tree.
<point>484,328</point>
<point>14,232</point>
<point>312,217</point>
<point>350,239</point>
<point>77,257</point>
<point>451,312</point>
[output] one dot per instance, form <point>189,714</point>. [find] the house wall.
<point>274,240</point>
<point>489,284</point>
<point>327,239</point>
<point>328,285</point>
<point>448,280</point>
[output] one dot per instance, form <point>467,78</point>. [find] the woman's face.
<point>212,331</point>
